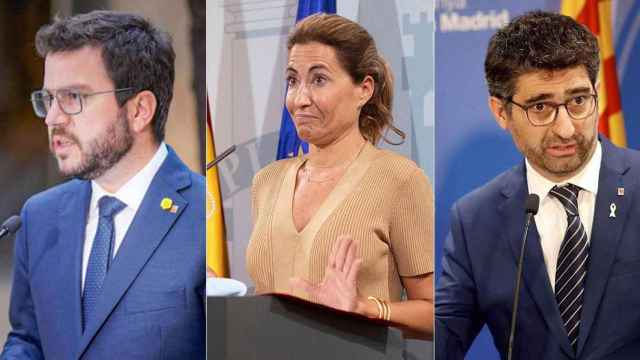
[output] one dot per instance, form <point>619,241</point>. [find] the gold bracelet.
<point>384,310</point>
<point>387,308</point>
<point>380,306</point>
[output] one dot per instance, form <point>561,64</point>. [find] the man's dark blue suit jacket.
<point>152,303</point>
<point>479,271</point>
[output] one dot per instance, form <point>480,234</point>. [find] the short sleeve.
<point>411,226</point>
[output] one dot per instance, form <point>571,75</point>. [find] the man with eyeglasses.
<point>109,265</point>
<point>578,298</point>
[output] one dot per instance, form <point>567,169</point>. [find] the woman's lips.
<point>303,119</point>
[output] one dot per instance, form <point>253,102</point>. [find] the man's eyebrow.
<point>568,92</point>
<point>78,87</point>
<point>578,90</point>
<point>538,97</point>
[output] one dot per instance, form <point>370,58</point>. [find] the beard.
<point>101,153</point>
<point>564,166</point>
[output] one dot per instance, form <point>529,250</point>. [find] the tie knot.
<point>109,206</point>
<point>568,196</point>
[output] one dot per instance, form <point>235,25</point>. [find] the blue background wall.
<point>470,147</point>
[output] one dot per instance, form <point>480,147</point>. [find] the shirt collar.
<point>587,179</point>
<point>133,191</point>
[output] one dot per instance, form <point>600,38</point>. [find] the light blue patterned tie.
<point>100,257</point>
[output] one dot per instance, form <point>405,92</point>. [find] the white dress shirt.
<point>131,193</point>
<point>551,220</point>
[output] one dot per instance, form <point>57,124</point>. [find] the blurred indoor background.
<point>26,167</point>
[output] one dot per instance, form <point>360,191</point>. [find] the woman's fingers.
<point>352,275</point>
<point>338,288</point>
<point>344,243</point>
<point>351,257</point>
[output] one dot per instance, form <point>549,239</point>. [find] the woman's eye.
<point>291,81</point>
<point>319,80</point>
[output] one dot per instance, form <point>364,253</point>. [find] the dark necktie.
<point>573,260</point>
<point>100,257</point>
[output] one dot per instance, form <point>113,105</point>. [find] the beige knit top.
<point>384,201</point>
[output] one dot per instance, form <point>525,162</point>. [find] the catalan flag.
<point>217,258</point>
<point>596,15</point>
<point>289,144</point>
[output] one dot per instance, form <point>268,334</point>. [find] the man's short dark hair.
<point>538,41</point>
<point>135,53</point>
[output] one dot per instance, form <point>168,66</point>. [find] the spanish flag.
<point>596,15</point>
<point>217,258</point>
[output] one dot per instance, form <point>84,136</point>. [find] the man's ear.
<point>141,109</point>
<point>499,112</point>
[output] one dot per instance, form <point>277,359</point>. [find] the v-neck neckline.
<point>343,188</point>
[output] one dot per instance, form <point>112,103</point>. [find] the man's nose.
<point>55,115</point>
<point>564,125</point>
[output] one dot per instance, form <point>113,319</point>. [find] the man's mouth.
<point>61,143</point>
<point>561,150</point>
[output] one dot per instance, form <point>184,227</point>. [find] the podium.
<point>282,327</point>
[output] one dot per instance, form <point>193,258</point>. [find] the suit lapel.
<point>534,272</point>
<point>606,233</point>
<point>71,234</point>
<point>149,227</point>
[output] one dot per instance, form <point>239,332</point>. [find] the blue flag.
<point>289,143</point>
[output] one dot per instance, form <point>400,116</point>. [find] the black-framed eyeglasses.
<point>71,102</point>
<point>544,113</point>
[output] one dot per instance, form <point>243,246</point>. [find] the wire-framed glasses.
<point>71,102</point>
<point>544,113</point>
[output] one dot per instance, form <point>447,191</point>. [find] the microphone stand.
<point>224,154</point>
<point>532,208</point>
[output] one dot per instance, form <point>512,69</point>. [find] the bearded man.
<point>578,298</point>
<point>109,265</point>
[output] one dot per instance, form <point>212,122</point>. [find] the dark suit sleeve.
<point>23,341</point>
<point>458,318</point>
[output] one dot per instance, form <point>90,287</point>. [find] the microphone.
<point>531,208</point>
<point>224,154</point>
<point>10,226</point>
